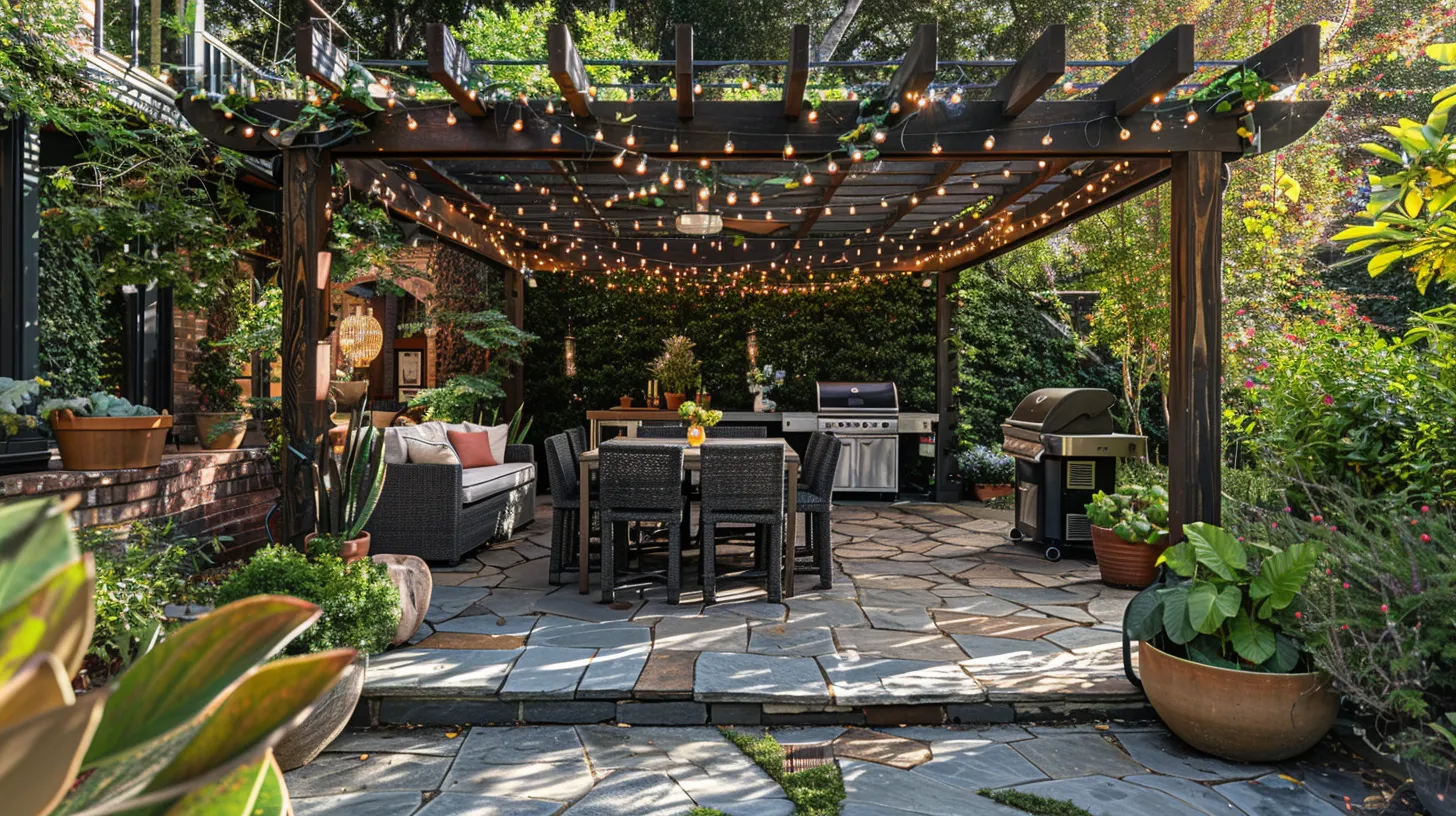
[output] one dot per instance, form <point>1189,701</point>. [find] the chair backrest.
<point>740,476</point>
<point>561,467</point>
<point>577,438</point>
<point>812,452</point>
<point>676,430</point>
<point>640,477</point>
<point>820,478</point>
<point>738,432</point>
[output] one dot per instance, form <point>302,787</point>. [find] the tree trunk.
<point>836,31</point>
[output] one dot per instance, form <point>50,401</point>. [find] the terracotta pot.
<point>1238,715</point>
<point>625,402</point>
<point>984,492</point>
<point>221,430</point>
<point>411,576</point>
<point>674,399</point>
<point>1125,563</point>
<point>327,719</point>
<point>351,550</point>
<point>109,443</point>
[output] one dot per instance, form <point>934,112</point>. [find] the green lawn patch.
<point>1031,803</point>
<point>702,811</point>
<point>817,791</point>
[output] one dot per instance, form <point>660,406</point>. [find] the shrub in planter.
<point>676,369</point>
<point>1220,651</point>
<point>105,432</point>
<point>22,447</point>
<point>990,472</point>
<point>1129,532</point>
<point>221,422</point>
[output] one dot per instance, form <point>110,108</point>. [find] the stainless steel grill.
<point>866,419</point>
<point>1066,449</point>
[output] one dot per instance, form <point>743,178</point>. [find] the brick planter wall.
<point>207,493</point>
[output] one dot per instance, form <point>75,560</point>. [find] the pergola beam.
<point>449,65</point>
<point>1152,74</point>
<point>323,62</point>
<point>796,79</point>
<point>904,207</point>
<point>914,74</point>
<point>566,68</point>
<point>683,71</point>
<point>812,216</point>
<point>586,200</point>
<point>1038,69</point>
<point>411,201</point>
<point>1289,59</point>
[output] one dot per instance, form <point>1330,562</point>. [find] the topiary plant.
<point>676,368</point>
<point>360,604</point>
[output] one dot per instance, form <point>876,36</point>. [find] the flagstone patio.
<point>934,616</point>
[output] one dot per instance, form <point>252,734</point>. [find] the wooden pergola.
<point>926,179</point>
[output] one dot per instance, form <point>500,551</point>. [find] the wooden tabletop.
<point>692,455</point>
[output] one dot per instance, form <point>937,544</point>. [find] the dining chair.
<point>738,432</point>
<point>563,469</point>
<point>816,499</point>
<point>641,483</point>
<point>578,439</point>
<point>676,430</point>
<point>743,484</point>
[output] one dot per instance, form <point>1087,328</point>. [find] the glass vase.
<point>696,434</point>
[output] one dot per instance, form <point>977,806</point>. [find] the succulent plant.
<point>99,404</point>
<point>187,730</point>
<point>348,487</point>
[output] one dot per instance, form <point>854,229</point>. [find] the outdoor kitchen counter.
<point>628,418</point>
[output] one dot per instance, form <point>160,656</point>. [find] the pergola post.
<point>515,311</point>
<point>19,250</point>
<point>945,383</point>
<point>1195,365</point>
<point>304,277</point>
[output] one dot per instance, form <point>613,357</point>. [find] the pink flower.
<point>1384,608</point>
<point>1289,509</point>
<point>1274,525</point>
<point>1425,508</point>
<point>1248,383</point>
<point>1345,585</point>
<point>1425,538</point>
<point>1298,615</point>
<point>1316,519</point>
<point>1329,400</point>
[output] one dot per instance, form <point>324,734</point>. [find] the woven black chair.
<point>577,438</point>
<point>816,499</point>
<point>676,430</point>
<point>738,432</point>
<point>565,506</point>
<point>743,484</point>
<point>641,482</point>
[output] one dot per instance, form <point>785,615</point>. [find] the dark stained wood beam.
<point>1038,69</point>
<point>904,207</point>
<point>327,64</point>
<point>1151,75</point>
<point>411,201</point>
<point>796,78</point>
<point>811,216</point>
<point>1195,364</point>
<point>1080,129</point>
<point>565,66</point>
<point>683,72</point>
<point>947,377</point>
<point>449,65</point>
<point>586,201</point>
<point>1289,59</point>
<point>914,75</point>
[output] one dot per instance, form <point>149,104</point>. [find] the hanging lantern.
<point>569,357</point>
<point>753,348</point>
<point>361,338</point>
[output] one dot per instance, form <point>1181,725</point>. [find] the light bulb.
<point>248,132</point>
<point>1124,134</point>
<point>914,200</point>
<point>955,97</point>
<point>678,184</point>
<point>732,198</point>
<point>673,147</point>
<point>832,167</point>
<point>728,146</point>
<point>808,179</point>
<point>619,158</point>
<point>1157,98</point>
<point>642,165</point>
<point>1047,139</point>
<point>450,118</point>
<point>632,137</point>
<point>703,193</point>
<point>666,177</point>
<point>697,88</point>
<point>1191,116</point>
<point>879,136</point>
<point>935,147</point>
<point>990,142</point>
<point>550,108</point>
<point>753,197</point>
<point>273,131</point>
<point>598,136</point>
<point>856,155</point>
<point>1157,125</point>
<point>768,216</point>
<point>556,136</point>
<point>409,122</point>
<point>788,150</point>
<point>1068,87</point>
<point>704,163</point>
<point>940,190</point>
<point>884,203</point>
<point>518,125</point>
<point>1006,172</point>
<point>813,115</point>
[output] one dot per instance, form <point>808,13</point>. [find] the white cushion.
<point>484,482</point>
<point>395,451</point>
<point>423,452</point>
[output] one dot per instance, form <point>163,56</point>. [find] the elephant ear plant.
<point>347,487</point>
<point>186,731</point>
<point>1226,602</point>
<point>1138,515</point>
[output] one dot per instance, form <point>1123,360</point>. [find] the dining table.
<point>692,462</point>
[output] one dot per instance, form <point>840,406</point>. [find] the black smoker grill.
<point>1066,449</point>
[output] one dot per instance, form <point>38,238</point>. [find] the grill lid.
<point>857,398</point>
<point>1065,411</point>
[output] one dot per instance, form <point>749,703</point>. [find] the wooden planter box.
<point>26,451</point>
<point>985,492</point>
<point>110,443</point>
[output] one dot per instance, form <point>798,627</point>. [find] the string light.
<point>728,145</point>
<point>813,115</point>
<point>1123,134</point>
<point>788,149</point>
<point>879,136</point>
<point>632,136</point>
<point>409,122</point>
<point>697,88</point>
<point>618,159</point>
<point>1157,125</point>
<point>550,108</point>
<point>704,163</point>
<point>248,132</point>
<point>556,136</point>
<point>673,148</point>
<point>450,118</point>
<point>518,125</point>
<point>732,198</point>
<point>703,193</point>
<point>940,191</point>
<point>955,96</point>
<point>1191,116</point>
<point>642,165</point>
<point>832,167</point>
<point>935,147</point>
<point>1047,139</point>
<point>598,136</point>
<point>990,142</point>
<point>856,156</point>
<point>808,178</point>
<point>753,197</point>
<point>273,131</point>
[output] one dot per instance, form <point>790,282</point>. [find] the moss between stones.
<point>1031,803</point>
<point>814,791</point>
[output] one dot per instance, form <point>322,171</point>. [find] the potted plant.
<point>699,420</point>
<point>22,447</point>
<point>346,488</point>
<point>676,368</point>
<point>104,432</point>
<point>990,472</point>
<point>221,422</point>
<point>1220,649</point>
<point>760,382</point>
<point>361,611</point>
<point>1129,532</point>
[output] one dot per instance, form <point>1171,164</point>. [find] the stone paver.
<point>881,748</point>
<point>973,765</point>
<point>801,640</point>
<point>1202,799</point>
<point>383,803</point>
<point>613,673</point>
<point>758,678</point>
<point>531,762</point>
<point>899,645</point>
<point>552,630</point>
<point>701,634</point>
<point>439,672</point>
<point>1166,754</point>
<point>869,681</point>
<point>877,789</point>
<point>546,673</point>
<point>474,804</point>
<point>651,793</point>
<point>446,602</point>
<point>1105,796</point>
<point>1077,755</point>
<point>667,675</point>
<point>333,773</point>
<point>1017,627</point>
<point>514,626</point>
<point>1275,796</point>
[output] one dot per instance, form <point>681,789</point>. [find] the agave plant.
<point>348,487</point>
<point>187,730</point>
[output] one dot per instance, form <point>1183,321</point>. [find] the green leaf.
<point>36,542</point>
<point>1180,558</point>
<point>1283,574</point>
<point>1204,649</point>
<point>1286,655</point>
<point>1253,640</point>
<point>1216,549</point>
<point>57,617</point>
<point>1175,615</point>
<point>1381,151</point>
<point>1209,607</point>
<point>1143,618</point>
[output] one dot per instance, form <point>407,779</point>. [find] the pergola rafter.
<point>946,181</point>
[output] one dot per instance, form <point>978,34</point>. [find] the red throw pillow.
<point>472,448</point>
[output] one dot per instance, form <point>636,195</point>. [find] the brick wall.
<point>207,493</point>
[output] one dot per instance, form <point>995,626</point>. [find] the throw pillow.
<point>422,452</point>
<point>472,448</point>
<point>498,435</point>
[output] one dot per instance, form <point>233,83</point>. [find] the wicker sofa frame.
<point>421,511</point>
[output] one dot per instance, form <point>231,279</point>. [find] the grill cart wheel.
<point>1015,534</point>
<point>1053,553</point>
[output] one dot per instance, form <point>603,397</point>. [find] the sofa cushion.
<point>484,482</point>
<point>395,451</point>
<point>430,453</point>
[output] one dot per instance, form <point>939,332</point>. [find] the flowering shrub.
<point>1338,401</point>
